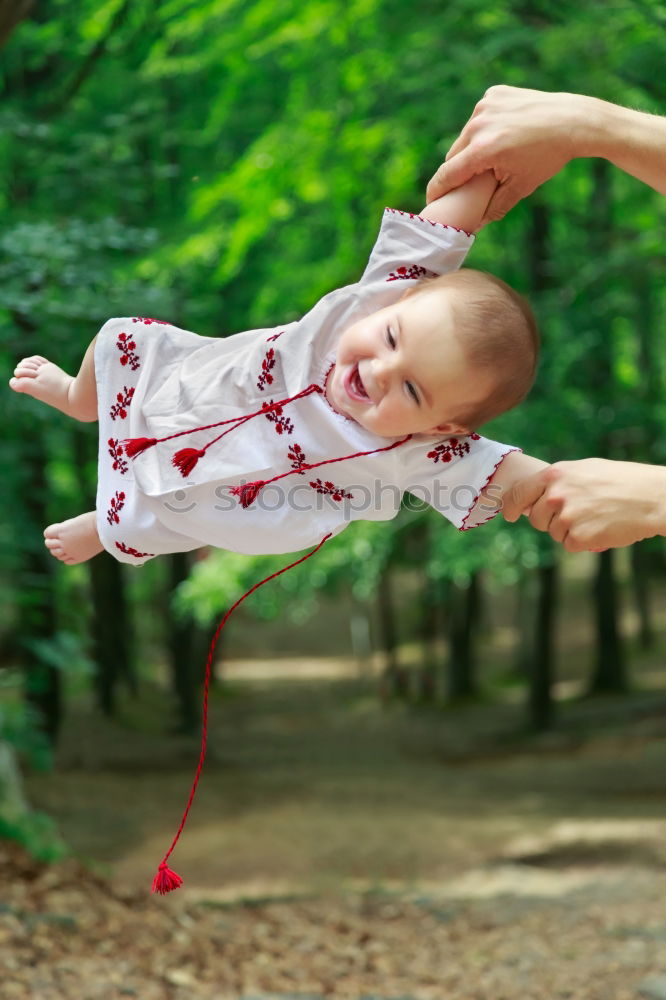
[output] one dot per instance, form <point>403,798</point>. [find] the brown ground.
<point>342,850</point>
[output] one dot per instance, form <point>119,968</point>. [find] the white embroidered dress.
<point>155,380</point>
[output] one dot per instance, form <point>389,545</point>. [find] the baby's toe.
<point>26,371</point>
<point>30,366</point>
<point>58,554</point>
<point>52,531</point>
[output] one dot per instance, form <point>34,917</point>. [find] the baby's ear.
<point>449,430</point>
<point>412,289</point>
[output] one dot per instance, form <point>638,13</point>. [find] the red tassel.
<point>166,880</point>
<point>185,459</point>
<point>248,492</point>
<point>134,446</point>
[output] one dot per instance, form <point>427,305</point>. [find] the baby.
<point>381,387</point>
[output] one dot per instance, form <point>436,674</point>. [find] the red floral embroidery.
<point>116,504</point>
<point>283,425</point>
<point>329,489</point>
<point>127,348</point>
<point>265,378</point>
<point>120,464</point>
<point>413,272</point>
<point>452,448</point>
<point>123,400</point>
<point>147,321</point>
<point>274,337</point>
<point>130,551</point>
<point>296,456</point>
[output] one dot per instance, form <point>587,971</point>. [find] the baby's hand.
<point>464,207</point>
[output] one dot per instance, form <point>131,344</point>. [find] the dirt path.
<point>338,850</point>
<point>593,937</point>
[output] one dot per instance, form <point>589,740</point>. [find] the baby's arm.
<point>465,206</point>
<point>514,468</point>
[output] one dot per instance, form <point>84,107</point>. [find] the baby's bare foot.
<point>41,379</point>
<point>74,541</point>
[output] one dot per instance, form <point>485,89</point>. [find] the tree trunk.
<point>463,617</point>
<point>426,683</point>
<point>111,626</point>
<point>13,805</point>
<point>610,668</point>
<point>37,614</point>
<point>538,656</point>
<point>640,578</point>
<point>650,393</point>
<point>525,610</point>
<point>111,629</point>
<point>542,672</point>
<point>184,649</point>
<point>12,12</point>
<point>393,683</point>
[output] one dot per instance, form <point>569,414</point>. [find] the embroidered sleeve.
<point>450,475</point>
<point>410,247</point>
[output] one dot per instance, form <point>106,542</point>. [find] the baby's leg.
<point>77,397</point>
<point>74,541</point>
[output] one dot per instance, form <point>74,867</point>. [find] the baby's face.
<point>402,370</point>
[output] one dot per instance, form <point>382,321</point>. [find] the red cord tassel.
<point>248,492</point>
<point>166,880</point>
<point>185,459</point>
<point>134,446</point>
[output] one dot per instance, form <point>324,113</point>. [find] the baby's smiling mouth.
<point>354,385</point>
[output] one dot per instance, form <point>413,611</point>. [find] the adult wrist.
<point>656,490</point>
<point>595,126</point>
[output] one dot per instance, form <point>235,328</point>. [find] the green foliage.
<point>18,729</point>
<point>37,833</point>
<point>64,652</point>
<point>354,560</point>
<point>224,164</point>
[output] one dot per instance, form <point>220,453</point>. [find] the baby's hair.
<point>498,333</point>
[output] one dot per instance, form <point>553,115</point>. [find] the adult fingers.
<point>523,495</point>
<point>462,142</point>
<point>449,175</point>
<point>512,188</point>
<point>543,517</point>
<point>508,194</point>
<point>557,529</point>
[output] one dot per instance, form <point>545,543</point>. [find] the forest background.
<point>223,164</point>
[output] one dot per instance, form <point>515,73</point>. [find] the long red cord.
<point>248,492</point>
<point>166,880</point>
<point>136,446</point>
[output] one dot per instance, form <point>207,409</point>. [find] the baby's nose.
<point>382,371</point>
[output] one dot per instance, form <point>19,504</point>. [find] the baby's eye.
<point>390,339</point>
<point>413,393</point>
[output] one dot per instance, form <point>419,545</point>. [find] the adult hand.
<point>523,136</point>
<point>592,503</point>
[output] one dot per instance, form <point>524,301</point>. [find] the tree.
<point>12,12</point>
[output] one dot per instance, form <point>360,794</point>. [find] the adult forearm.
<point>634,141</point>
